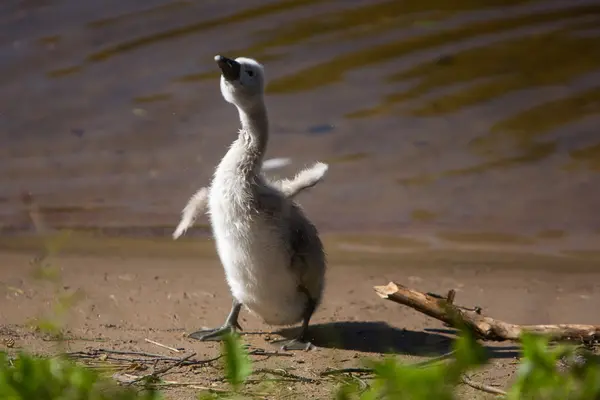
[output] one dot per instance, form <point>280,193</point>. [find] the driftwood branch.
<point>482,386</point>
<point>485,328</point>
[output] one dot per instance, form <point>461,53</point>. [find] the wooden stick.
<point>164,346</point>
<point>482,386</point>
<point>486,328</point>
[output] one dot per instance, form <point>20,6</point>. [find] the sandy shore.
<point>128,290</point>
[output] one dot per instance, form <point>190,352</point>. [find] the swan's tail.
<point>193,208</point>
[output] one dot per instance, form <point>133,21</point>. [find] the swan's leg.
<point>230,325</point>
<point>301,341</point>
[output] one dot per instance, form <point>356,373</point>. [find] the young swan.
<point>271,253</point>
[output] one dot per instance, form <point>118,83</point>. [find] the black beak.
<point>230,68</point>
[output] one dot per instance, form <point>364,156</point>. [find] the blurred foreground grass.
<point>26,377</point>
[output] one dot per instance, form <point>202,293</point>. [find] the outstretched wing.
<point>195,206</point>
<point>304,179</point>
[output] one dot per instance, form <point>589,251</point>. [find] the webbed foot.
<point>212,335</point>
<point>295,344</point>
<point>217,334</point>
<point>300,342</point>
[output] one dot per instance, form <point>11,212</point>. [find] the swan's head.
<point>242,81</point>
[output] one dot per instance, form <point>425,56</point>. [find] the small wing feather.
<point>305,179</point>
<point>195,206</point>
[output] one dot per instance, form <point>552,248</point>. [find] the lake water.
<point>464,120</point>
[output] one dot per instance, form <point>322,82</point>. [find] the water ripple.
<point>465,121</point>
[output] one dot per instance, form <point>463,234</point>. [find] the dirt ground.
<point>130,290</point>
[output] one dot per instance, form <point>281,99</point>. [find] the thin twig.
<point>73,339</point>
<point>278,380</point>
<point>134,353</point>
<point>195,385</point>
<point>98,353</point>
<point>482,386</point>
<point>161,371</point>
<point>285,374</point>
<point>201,362</point>
<point>347,371</point>
<point>428,362</point>
<point>168,368</point>
<point>419,364</point>
<point>124,359</point>
<point>164,346</point>
<point>200,386</point>
<point>261,352</point>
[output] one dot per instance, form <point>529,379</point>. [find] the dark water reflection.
<point>442,117</point>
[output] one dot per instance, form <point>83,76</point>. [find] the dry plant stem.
<point>178,363</point>
<point>143,357</point>
<point>135,353</point>
<point>419,364</point>
<point>132,360</point>
<point>347,371</point>
<point>261,352</point>
<point>426,363</point>
<point>199,386</point>
<point>95,355</point>
<point>486,328</point>
<point>164,370</point>
<point>194,385</point>
<point>164,346</point>
<point>285,374</point>
<point>71,339</point>
<point>482,386</point>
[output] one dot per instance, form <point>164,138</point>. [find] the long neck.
<point>254,134</point>
<point>244,158</point>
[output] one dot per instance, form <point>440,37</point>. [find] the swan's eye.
<point>250,73</point>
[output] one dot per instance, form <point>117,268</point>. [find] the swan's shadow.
<point>379,337</point>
